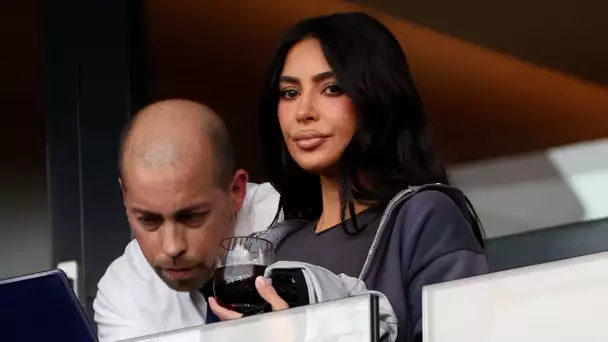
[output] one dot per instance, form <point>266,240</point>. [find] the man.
<point>182,195</point>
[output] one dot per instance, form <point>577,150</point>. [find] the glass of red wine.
<point>242,259</point>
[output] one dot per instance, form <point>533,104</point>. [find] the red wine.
<point>234,288</point>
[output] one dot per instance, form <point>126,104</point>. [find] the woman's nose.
<point>305,111</point>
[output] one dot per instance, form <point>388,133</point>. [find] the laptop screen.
<point>41,307</point>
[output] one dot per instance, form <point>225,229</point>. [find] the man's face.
<point>179,215</point>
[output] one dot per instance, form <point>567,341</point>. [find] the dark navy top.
<point>333,249</point>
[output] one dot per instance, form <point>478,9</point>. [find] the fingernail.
<point>263,280</point>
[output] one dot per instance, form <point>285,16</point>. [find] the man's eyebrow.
<point>185,210</point>
<point>192,208</point>
<point>143,211</point>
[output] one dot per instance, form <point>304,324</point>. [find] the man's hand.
<point>265,290</point>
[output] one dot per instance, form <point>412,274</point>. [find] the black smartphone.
<point>290,285</point>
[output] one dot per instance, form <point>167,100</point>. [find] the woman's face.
<point>317,119</point>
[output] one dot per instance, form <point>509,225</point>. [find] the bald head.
<point>177,133</point>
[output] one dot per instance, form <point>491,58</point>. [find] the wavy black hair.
<point>391,146</point>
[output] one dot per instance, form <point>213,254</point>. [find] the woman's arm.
<point>444,248</point>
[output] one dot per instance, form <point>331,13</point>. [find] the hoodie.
<point>424,237</point>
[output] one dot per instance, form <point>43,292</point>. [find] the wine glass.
<point>242,259</point>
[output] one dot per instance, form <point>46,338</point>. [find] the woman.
<point>345,144</point>
<point>344,133</point>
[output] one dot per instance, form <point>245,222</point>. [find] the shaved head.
<point>180,188</point>
<point>177,132</point>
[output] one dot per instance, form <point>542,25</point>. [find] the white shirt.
<point>133,301</point>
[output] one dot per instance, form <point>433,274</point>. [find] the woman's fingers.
<point>265,290</point>
<point>221,312</point>
<point>269,294</point>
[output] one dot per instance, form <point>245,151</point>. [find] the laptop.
<point>42,307</point>
<point>565,300</point>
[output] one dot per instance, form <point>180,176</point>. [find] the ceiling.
<point>565,35</point>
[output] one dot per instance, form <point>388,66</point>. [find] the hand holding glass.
<point>241,261</point>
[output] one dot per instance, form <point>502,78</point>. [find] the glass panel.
<point>345,320</point>
<point>560,301</point>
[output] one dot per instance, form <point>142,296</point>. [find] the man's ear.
<point>122,189</point>
<point>238,189</point>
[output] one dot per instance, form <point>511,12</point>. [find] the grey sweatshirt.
<point>424,237</point>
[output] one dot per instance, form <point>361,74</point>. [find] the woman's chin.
<point>319,167</point>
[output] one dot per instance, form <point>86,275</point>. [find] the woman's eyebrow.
<point>322,76</point>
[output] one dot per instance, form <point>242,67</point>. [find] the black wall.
<point>24,223</point>
<point>92,86</point>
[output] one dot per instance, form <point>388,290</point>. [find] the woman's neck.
<point>330,192</point>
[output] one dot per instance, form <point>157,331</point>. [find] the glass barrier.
<point>353,319</point>
<point>560,301</point>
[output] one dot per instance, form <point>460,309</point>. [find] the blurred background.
<point>516,93</point>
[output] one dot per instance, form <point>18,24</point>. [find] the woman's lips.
<point>310,144</point>
<point>309,140</point>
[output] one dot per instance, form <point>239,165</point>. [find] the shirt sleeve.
<point>445,248</point>
<point>114,315</point>
<point>259,209</point>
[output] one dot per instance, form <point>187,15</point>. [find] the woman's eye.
<point>288,93</point>
<point>332,90</point>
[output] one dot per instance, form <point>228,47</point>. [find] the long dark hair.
<point>391,146</point>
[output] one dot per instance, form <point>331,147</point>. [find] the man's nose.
<point>174,242</point>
